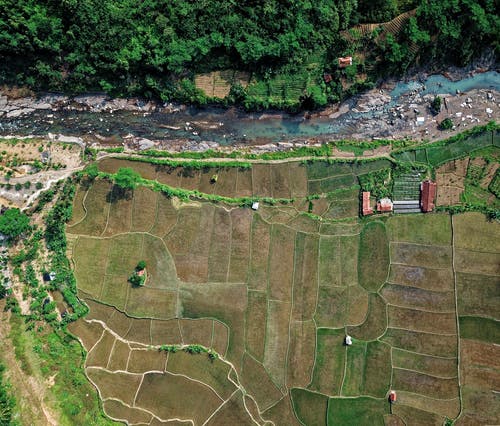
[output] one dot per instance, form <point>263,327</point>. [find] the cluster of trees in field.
<point>154,47</point>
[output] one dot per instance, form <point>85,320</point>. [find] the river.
<point>232,126</point>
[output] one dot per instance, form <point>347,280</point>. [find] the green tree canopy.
<point>13,223</point>
<point>126,178</point>
<point>92,171</point>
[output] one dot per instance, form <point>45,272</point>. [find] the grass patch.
<point>478,328</point>
<point>377,372</point>
<point>329,363</point>
<point>421,229</point>
<point>477,294</point>
<point>309,407</point>
<point>353,381</point>
<point>357,411</point>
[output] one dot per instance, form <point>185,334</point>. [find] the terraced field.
<point>273,293</point>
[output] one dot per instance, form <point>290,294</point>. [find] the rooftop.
<point>428,195</point>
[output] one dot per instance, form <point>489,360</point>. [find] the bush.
<point>446,124</point>
<point>436,105</point>
<point>137,280</point>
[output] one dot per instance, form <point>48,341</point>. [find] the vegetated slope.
<point>272,293</point>
<point>155,48</point>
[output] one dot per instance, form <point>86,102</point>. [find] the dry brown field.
<point>273,292</point>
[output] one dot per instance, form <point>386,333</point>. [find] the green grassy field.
<point>272,293</point>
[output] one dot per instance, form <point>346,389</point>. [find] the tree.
<point>13,223</point>
<point>92,171</point>
<point>126,178</point>
<point>141,265</point>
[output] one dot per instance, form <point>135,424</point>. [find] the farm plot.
<point>373,260</point>
<point>310,407</point>
<point>328,371</point>
<point>324,177</point>
<point>421,312</point>
<point>258,382</point>
<point>274,293</point>
<point>197,403</point>
<point>480,379</point>
<point>96,206</point>
<point>103,266</point>
<point>342,204</point>
<point>123,369</point>
<point>450,178</point>
<point>357,411</point>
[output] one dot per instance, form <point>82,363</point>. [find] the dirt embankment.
<point>30,390</point>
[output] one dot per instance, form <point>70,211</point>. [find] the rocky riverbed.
<point>394,110</point>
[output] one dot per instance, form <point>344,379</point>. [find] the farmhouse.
<point>345,61</point>
<point>366,208</point>
<point>384,205</point>
<point>427,195</point>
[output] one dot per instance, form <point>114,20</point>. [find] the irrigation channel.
<point>233,126</point>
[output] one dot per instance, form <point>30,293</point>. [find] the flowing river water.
<point>231,126</point>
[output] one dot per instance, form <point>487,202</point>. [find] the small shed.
<point>255,205</point>
<point>348,340</point>
<point>345,61</point>
<point>327,77</point>
<point>385,205</point>
<point>392,397</point>
<point>49,276</point>
<point>45,157</point>
<point>141,272</point>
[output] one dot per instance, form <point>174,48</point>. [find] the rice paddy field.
<point>272,293</point>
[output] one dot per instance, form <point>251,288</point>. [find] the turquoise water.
<point>237,127</point>
<point>439,84</point>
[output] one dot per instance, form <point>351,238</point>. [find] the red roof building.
<point>327,77</point>
<point>366,209</point>
<point>427,195</point>
<point>392,397</point>
<point>384,205</point>
<point>345,62</point>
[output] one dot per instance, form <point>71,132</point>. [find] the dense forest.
<point>154,48</point>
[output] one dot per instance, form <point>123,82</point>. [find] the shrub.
<point>137,280</point>
<point>446,124</point>
<point>436,105</point>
